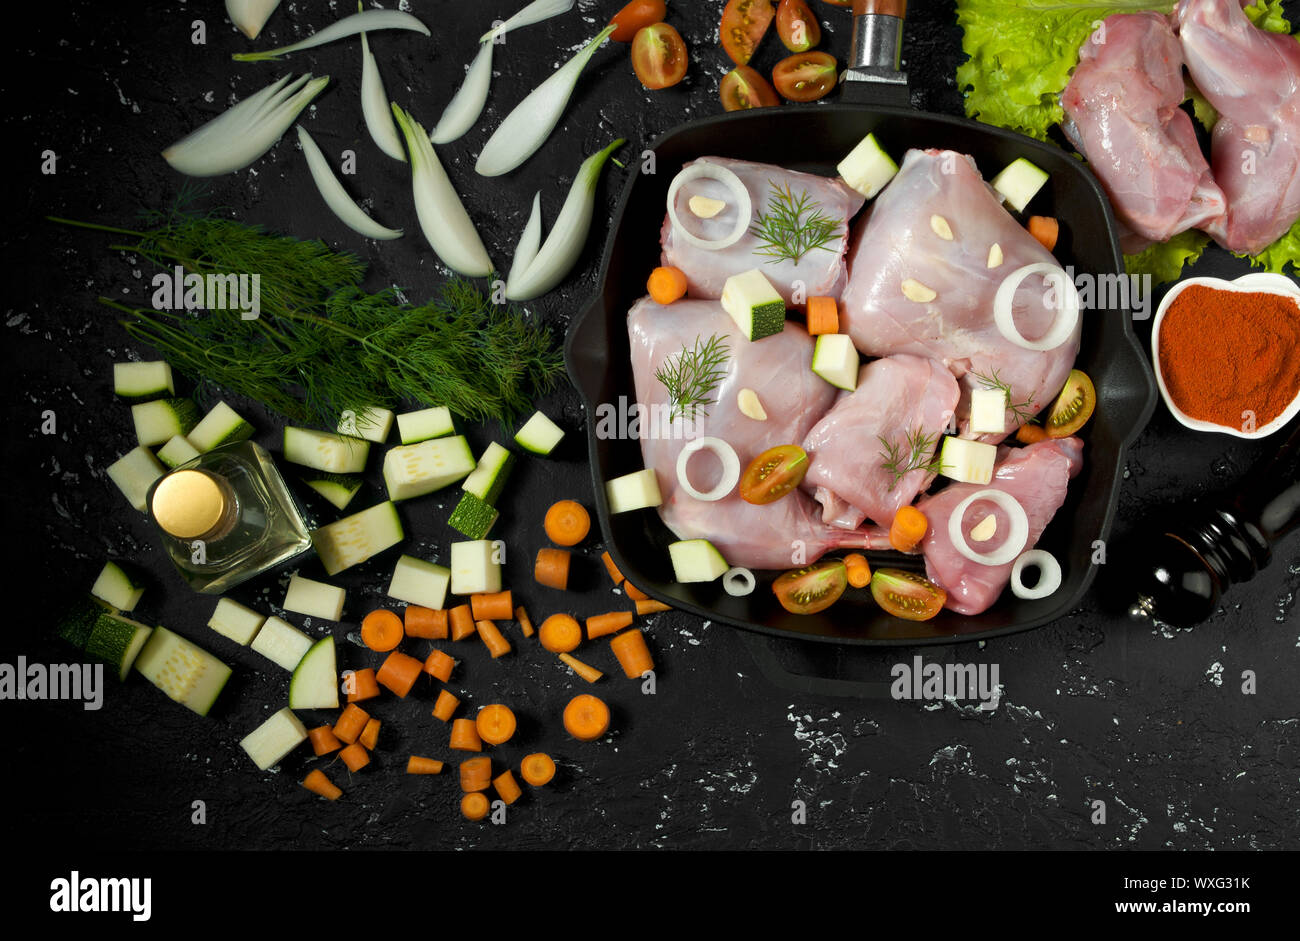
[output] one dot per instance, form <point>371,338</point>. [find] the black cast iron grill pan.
<point>814,138</point>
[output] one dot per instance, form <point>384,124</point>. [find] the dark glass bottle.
<point>1177,573</point>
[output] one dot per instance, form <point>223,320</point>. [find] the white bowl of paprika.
<point>1227,353</point>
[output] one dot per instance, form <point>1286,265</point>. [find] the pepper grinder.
<point>1176,573</point>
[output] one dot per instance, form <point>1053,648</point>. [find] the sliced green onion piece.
<point>442,215</point>
<point>528,126</point>
<point>564,245</point>
<point>368,21</point>
<point>336,197</point>
<point>243,133</point>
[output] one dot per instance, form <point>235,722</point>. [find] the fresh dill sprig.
<point>321,345</point>
<point>1024,411</point>
<point>901,458</point>
<point>792,226</point>
<point>691,376</point>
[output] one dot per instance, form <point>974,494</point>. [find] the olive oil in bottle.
<point>226,516</point>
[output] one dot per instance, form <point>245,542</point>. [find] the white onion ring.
<point>1049,574</point>
<point>1067,314</point>
<point>745,206</point>
<point>730,467</point>
<point>736,574</point>
<point>1015,541</point>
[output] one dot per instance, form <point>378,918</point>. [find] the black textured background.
<point>1151,721</point>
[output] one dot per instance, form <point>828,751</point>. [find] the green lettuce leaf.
<point>1164,260</point>
<point>1021,54</point>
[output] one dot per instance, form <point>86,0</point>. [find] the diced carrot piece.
<point>496,643</point>
<point>475,774</point>
<point>908,529</point>
<point>495,724</point>
<point>588,673</point>
<point>567,523</point>
<point>1046,229</point>
<point>859,570</point>
<point>823,316</point>
<point>439,665</point>
<point>507,787</point>
<point>361,685</point>
<point>525,624</point>
<point>399,672</point>
<point>318,783</point>
<point>560,633</point>
<point>666,284</point>
<point>418,764</point>
<point>537,769</point>
<point>614,574</point>
<point>496,606</point>
<point>464,736</point>
<point>323,740</point>
<point>445,706</point>
<point>351,721</point>
<point>426,623</point>
<point>462,622</point>
<point>651,607</point>
<point>636,594</point>
<point>1031,434</point>
<point>355,756</point>
<point>369,736</point>
<point>552,568</point>
<point>475,806</point>
<point>633,654</point>
<point>600,625</point>
<point>381,630</point>
<point>586,717</point>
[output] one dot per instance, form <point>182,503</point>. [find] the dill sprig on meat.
<point>321,344</point>
<point>1024,411</point>
<point>691,376</point>
<point>792,226</point>
<point>914,453</point>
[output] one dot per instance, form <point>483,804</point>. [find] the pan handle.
<point>874,75</point>
<point>878,34</point>
<point>809,677</point>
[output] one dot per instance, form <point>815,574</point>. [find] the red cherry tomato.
<point>659,56</point>
<point>812,588</point>
<point>805,76</point>
<point>797,26</point>
<point>773,474</point>
<point>744,22</point>
<point>744,87</point>
<point>629,20</point>
<point>907,595</point>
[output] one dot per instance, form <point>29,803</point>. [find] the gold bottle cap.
<point>188,503</point>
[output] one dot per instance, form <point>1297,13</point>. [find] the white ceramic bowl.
<point>1259,282</point>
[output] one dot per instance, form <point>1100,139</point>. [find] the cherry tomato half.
<point>1073,407</point>
<point>744,87</point>
<point>797,26</point>
<point>744,23</point>
<point>907,595</point>
<point>805,76</point>
<point>631,18</point>
<point>812,588</point>
<point>839,3</point>
<point>773,474</point>
<point>659,56</point>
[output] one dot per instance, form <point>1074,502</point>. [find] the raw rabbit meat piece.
<point>821,270</point>
<point>897,242</point>
<point>778,369</point>
<point>906,400</point>
<point>1122,113</point>
<point>1252,78</point>
<point>1037,476</point>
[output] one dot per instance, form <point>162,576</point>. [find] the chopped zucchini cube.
<point>314,599</point>
<point>236,621</point>
<point>696,560</point>
<point>634,491</point>
<point>273,739</point>
<point>835,359</point>
<point>988,412</point>
<point>539,435</point>
<point>970,462</point>
<point>472,517</point>
<point>757,308</point>
<point>475,567</point>
<point>416,581</point>
<point>281,643</point>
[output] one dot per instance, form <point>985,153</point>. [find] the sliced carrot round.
<point>537,769</point>
<point>560,633</point>
<point>382,630</point>
<point>475,774</point>
<point>495,724</point>
<point>475,805</point>
<point>908,529</point>
<point>586,717</point>
<point>567,523</point>
<point>858,569</point>
<point>666,284</point>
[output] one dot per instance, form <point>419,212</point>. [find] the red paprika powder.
<point>1231,357</point>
